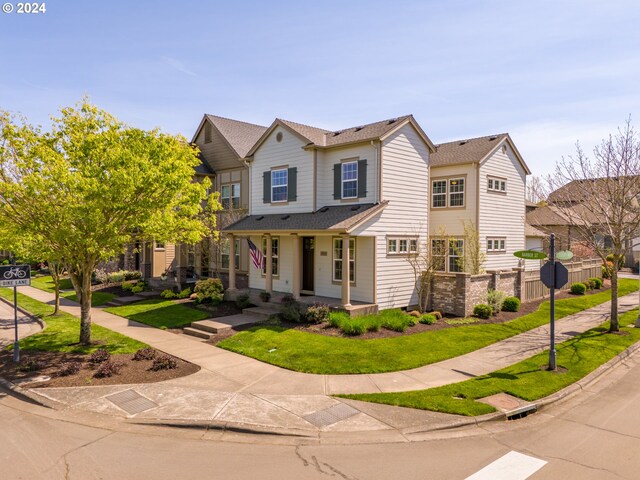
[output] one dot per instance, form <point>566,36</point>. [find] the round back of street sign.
<point>564,255</point>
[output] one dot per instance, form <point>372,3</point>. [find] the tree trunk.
<point>82,284</point>
<point>55,270</point>
<point>613,325</point>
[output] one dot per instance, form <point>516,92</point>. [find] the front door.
<point>308,249</point>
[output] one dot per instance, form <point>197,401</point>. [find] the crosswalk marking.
<point>512,466</point>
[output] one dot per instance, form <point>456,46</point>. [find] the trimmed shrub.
<point>291,311</point>
<point>127,286</point>
<point>482,310</point>
<point>99,356</point>
<point>69,368</point>
<point>511,304</point>
<point>243,301</point>
<point>184,293</point>
<point>168,294</point>
<point>164,362</point>
<point>137,289</point>
<point>428,319</point>
<point>317,313</point>
<point>414,313</point>
<point>116,277</point>
<point>209,291</point>
<point>437,314</point>
<point>597,282</point>
<point>108,369</point>
<point>101,276</point>
<point>495,299</point>
<point>132,274</point>
<point>578,288</point>
<point>265,296</point>
<point>30,366</point>
<point>146,353</point>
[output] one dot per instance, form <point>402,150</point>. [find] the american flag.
<point>256,255</point>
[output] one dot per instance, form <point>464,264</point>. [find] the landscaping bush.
<point>437,314</point>
<point>511,304</point>
<point>101,276</point>
<point>291,310</point>
<point>428,319</point>
<point>108,369</point>
<point>414,313</point>
<point>265,296</point>
<point>136,289</point>
<point>69,368</point>
<point>127,286</point>
<point>146,353</point>
<point>116,277</point>
<point>482,310</point>
<point>164,362</point>
<point>398,324</point>
<point>168,294</point>
<point>606,269</point>
<point>578,288</point>
<point>317,313</point>
<point>209,291</point>
<point>243,301</point>
<point>132,274</point>
<point>99,356</point>
<point>495,299</point>
<point>620,260</point>
<point>30,366</point>
<point>597,282</point>
<point>5,261</point>
<point>184,293</point>
<point>589,284</point>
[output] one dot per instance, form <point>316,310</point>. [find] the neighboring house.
<point>223,145</point>
<point>336,213</point>
<point>479,182</point>
<point>534,240</point>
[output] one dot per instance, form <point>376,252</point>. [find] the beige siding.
<point>405,186</point>
<point>502,215</point>
<point>217,153</point>
<point>288,153</point>
<point>236,175</point>
<point>328,159</point>
<point>533,243</point>
<point>450,221</point>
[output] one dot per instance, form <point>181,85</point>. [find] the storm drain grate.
<point>331,415</point>
<point>131,402</point>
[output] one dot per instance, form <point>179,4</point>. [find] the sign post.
<point>553,275</point>
<point>14,276</point>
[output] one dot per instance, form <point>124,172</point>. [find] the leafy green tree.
<point>92,184</point>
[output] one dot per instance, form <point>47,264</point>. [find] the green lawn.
<point>312,353</point>
<point>97,298</point>
<point>527,379</point>
<point>63,331</point>
<point>159,313</point>
<point>46,283</point>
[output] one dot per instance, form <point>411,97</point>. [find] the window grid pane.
<point>350,180</point>
<point>279,190</point>
<point>456,192</point>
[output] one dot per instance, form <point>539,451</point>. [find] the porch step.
<point>263,312</point>
<point>119,301</point>
<point>195,332</point>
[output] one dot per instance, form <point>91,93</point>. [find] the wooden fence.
<point>579,271</point>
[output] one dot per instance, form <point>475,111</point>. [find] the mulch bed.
<point>131,372</point>
<point>224,309</point>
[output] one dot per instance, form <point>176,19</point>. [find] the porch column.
<point>232,261</point>
<point>346,274</point>
<point>296,265</point>
<point>268,280</point>
<point>147,258</point>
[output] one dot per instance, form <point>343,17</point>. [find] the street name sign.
<point>15,275</point>
<point>530,254</point>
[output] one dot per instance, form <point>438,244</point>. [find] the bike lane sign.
<point>15,275</point>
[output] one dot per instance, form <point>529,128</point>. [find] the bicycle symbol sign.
<point>15,275</point>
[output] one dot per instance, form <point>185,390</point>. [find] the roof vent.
<point>491,139</point>
<point>355,207</point>
<point>324,209</point>
<point>259,218</point>
<point>463,142</point>
<point>358,129</point>
<point>285,217</point>
<point>393,120</point>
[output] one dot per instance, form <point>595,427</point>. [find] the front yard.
<point>159,313</point>
<point>312,353</point>
<point>45,283</point>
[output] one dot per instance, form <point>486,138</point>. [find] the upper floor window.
<point>497,185</point>
<point>279,185</point>
<point>447,193</point>
<point>230,196</point>
<point>159,246</point>
<point>350,180</point>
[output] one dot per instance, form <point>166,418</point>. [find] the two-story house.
<point>478,183</point>
<point>336,213</point>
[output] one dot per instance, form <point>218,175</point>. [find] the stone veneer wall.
<point>458,293</point>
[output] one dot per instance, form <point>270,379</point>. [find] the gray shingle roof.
<point>465,151</point>
<point>340,217</point>
<point>531,231</point>
<point>240,135</point>
<point>326,138</point>
<point>548,215</point>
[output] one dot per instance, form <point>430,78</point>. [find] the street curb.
<point>24,395</point>
<point>25,312</point>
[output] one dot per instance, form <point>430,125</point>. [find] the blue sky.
<point>548,72</point>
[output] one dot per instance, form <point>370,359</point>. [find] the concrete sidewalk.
<point>233,390</point>
<point>27,325</point>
